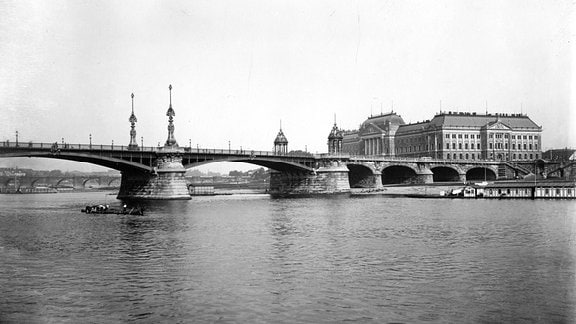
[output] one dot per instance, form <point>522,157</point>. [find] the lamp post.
<point>90,141</point>
<point>228,147</point>
<point>112,144</point>
<point>16,138</point>
<point>142,142</point>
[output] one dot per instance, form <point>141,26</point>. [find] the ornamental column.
<point>171,141</point>
<point>133,143</point>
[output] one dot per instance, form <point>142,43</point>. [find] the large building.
<point>449,135</point>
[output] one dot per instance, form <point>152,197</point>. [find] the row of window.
<point>472,156</point>
<point>491,135</point>
<point>499,146</point>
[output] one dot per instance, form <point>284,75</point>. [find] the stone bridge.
<point>72,181</point>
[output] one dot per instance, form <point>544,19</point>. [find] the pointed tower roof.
<point>336,133</point>
<point>280,138</point>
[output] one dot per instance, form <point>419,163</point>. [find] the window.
<point>530,146</point>
<point>530,137</point>
<point>513,136</point>
<point>506,145</point>
<point>490,145</point>
<point>473,157</point>
<point>525,156</point>
<point>447,146</point>
<point>524,136</point>
<point>537,156</point>
<point>513,146</point>
<point>448,156</point>
<point>454,156</point>
<point>460,156</point>
<point>453,135</point>
<point>514,156</point>
<point>447,135</point>
<point>530,156</point>
<point>465,135</point>
<point>491,136</point>
<point>466,146</point>
<point>459,146</point>
<point>558,192</point>
<point>536,137</point>
<point>466,156</point>
<point>478,136</point>
<point>536,146</point>
<point>478,145</point>
<point>453,146</point>
<point>459,135</point>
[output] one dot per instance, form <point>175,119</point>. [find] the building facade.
<point>449,135</point>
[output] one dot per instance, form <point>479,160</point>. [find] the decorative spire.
<point>171,141</point>
<point>133,143</point>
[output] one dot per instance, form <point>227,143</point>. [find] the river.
<point>254,259</point>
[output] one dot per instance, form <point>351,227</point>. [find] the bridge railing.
<point>191,150</point>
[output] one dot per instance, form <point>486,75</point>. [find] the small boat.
<point>105,209</point>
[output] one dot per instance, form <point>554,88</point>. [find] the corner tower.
<point>281,142</point>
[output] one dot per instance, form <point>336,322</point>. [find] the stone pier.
<point>166,183</point>
<point>324,180</point>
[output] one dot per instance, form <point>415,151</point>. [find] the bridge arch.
<point>480,174</point>
<point>445,174</point>
<point>85,181</point>
<point>270,163</point>
<point>397,174</point>
<point>117,180</point>
<point>59,182</point>
<point>101,160</point>
<point>360,175</point>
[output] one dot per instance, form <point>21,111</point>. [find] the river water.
<point>254,259</point>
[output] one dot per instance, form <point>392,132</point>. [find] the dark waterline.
<point>252,259</point>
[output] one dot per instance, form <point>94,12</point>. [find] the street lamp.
<point>228,146</point>
<point>142,143</point>
<point>90,141</point>
<point>16,138</point>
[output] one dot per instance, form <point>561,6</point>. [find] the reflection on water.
<point>249,258</point>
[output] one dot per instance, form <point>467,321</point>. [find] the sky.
<point>240,68</point>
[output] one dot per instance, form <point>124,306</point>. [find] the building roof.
<point>281,138</point>
<point>381,120</point>
<point>335,133</point>
<point>514,121</point>
<point>471,120</point>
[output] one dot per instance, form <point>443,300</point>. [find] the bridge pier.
<point>166,183</point>
<point>324,180</point>
<point>424,176</point>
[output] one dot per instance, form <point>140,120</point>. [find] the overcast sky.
<point>239,67</point>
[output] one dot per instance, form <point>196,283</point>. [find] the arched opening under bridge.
<point>480,174</point>
<point>360,176</point>
<point>444,174</point>
<point>398,174</point>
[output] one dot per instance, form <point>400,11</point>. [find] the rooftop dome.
<point>335,133</point>
<point>280,138</point>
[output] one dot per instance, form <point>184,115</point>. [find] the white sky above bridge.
<point>239,67</point>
